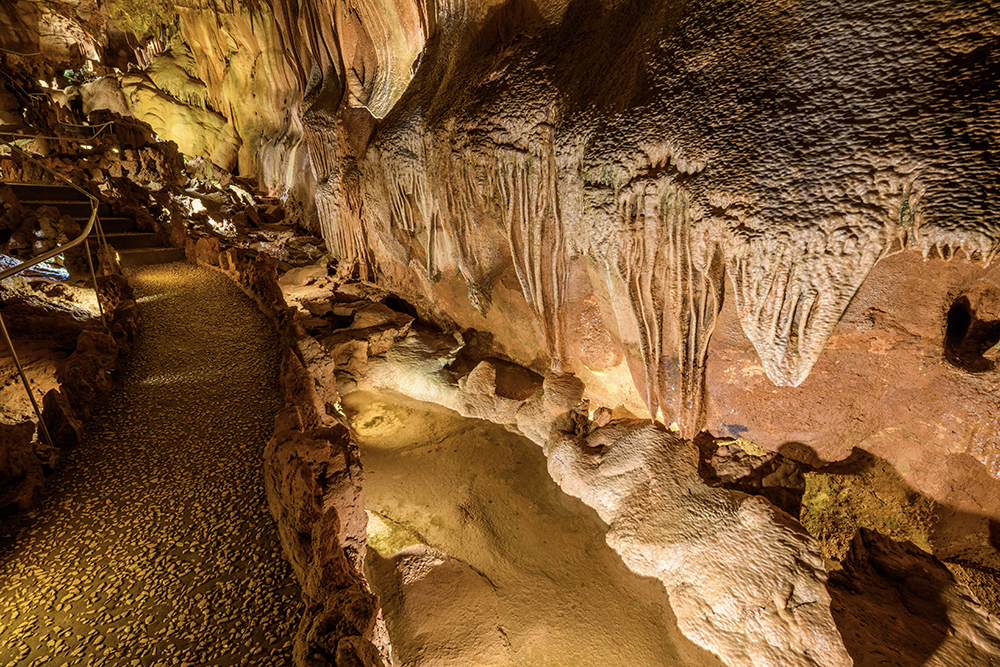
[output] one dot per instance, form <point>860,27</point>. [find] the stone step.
<point>39,192</point>
<point>143,256</point>
<point>128,240</point>
<point>75,208</point>
<point>68,200</point>
<point>114,225</point>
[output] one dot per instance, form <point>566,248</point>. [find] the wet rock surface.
<point>154,543</point>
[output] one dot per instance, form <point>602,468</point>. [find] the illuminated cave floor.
<point>530,580</point>
<point>154,544</point>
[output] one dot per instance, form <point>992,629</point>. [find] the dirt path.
<point>154,544</point>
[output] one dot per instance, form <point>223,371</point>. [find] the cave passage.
<point>481,560</point>
<point>153,544</point>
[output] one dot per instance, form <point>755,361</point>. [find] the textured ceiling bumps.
<point>806,142</point>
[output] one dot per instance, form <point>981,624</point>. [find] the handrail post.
<point>27,387</point>
<point>93,276</point>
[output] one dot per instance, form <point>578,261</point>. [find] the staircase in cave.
<point>134,247</point>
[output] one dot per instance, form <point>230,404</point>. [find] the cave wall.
<point>228,86</point>
<point>771,221</point>
<point>604,189</point>
<point>255,87</point>
<point>680,203</point>
<point>52,30</point>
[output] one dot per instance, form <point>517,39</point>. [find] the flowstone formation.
<point>663,519</point>
<point>771,165</point>
<point>667,524</point>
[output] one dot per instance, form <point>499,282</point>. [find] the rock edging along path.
<point>154,543</point>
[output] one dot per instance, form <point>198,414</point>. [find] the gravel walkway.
<point>154,544</point>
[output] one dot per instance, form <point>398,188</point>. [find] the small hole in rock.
<point>959,319</point>
<point>967,338</point>
<point>400,306</point>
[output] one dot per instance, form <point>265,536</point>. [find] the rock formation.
<point>664,521</point>
<point>766,158</point>
<point>513,173</point>
<point>667,524</point>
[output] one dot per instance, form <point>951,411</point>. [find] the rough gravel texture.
<point>154,544</point>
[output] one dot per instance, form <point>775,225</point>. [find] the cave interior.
<point>499,332</point>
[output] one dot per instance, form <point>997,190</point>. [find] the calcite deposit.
<point>667,524</point>
<point>472,157</point>
<point>664,521</point>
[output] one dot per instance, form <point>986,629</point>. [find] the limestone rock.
<point>665,522</point>
<point>338,632</point>
<point>103,93</point>
<point>360,330</point>
<point>310,475</point>
<point>206,250</point>
<point>893,348</point>
<point>197,131</point>
<point>745,580</point>
<point>86,376</point>
<point>440,610</point>
<point>20,469</point>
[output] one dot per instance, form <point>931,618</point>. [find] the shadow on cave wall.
<point>889,602</point>
<point>890,597</point>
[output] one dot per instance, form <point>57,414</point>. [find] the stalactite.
<point>342,226</point>
<point>526,184</point>
<point>792,289</point>
<point>793,285</point>
<point>467,208</point>
<point>695,296</point>
<point>340,205</point>
<point>413,209</point>
<point>674,289</point>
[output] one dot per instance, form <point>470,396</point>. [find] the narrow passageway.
<point>154,544</point>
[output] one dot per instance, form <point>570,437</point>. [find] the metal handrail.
<point>27,264</point>
<point>25,154</point>
<point>98,130</point>
<point>34,261</point>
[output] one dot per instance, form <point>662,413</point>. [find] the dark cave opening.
<point>967,338</point>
